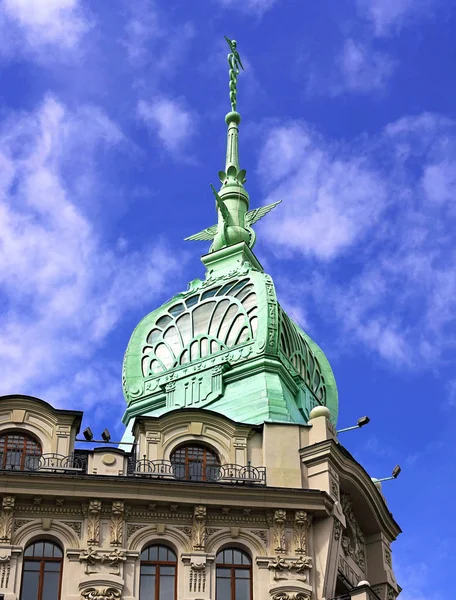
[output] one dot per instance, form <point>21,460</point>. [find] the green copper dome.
<point>226,344</point>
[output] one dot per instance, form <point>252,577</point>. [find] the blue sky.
<point>112,127</point>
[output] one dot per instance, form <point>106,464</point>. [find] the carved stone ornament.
<point>199,528</point>
<point>353,543</point>
<point>301,526</point>
<point>6,518</point>
<point>285,568</point>
<point>292,596</point>
<point>337,529</point>
<point>116,525</point>
<point>93,522</point>
<point>280,516</point>
<point>114,558</point>
<point>97,593</point>
<point>90,557</point>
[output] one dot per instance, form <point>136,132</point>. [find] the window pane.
<point>48,549</point>
<point>148,569</point>
<point>223,589</point>
<point>224,573</point>
<point>242,574</point>
<point>167,570</point>
<point>39,549</point>
<point>29,551</point>
<point>51,586</point>
<point>147,587</point>
<point>31,566</point>
<point>166,587</point>
<point>237,557</point>
<point>153,553</point>
<point>242,589</point>
<point>52,566</point>
<point>30,585</point>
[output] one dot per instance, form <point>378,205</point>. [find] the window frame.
<point>157,563</point>
<point>21,448</point>
<point>43,560</point>
<point>188,461</point>
<point>233,567</point>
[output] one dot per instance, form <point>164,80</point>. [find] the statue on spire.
<point>235,220</point>
<point>234,61</point>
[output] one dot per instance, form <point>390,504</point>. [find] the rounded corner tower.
<point>226,344</point>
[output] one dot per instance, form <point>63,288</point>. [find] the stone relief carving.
<point>92,556</point>
<point>337,529</point>
<point>133,528</point>
<point>353,543</point>
<point>97,593</point>
<point>286,568</point>
<point>6,518</point>
<point>301,526</point>
<point>199,528</point>
<point>93,523</point>
<point>280,516</point>
<point>18,523</point>
<point>260,533</point>
<point>76,526</point>
<point>116,525</point>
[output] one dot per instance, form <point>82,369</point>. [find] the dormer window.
<point>18,450</point>
<point>195,462</point>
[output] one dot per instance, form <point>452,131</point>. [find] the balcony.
<point>228,473</point>
<point>18,460</point>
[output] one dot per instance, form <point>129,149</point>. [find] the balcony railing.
<point>18,460</point>
<point>229,473</point>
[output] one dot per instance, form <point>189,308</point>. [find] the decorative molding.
<point>388,558</point>
<point>6,518</point>
<point>93,523</point>
<point>279,520</point>
<point>301,525</point>
<point>97,593</point>
<point>212,530</point>
<point>199,533</point>
<point>117,520</point>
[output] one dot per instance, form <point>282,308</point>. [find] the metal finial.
<point>234,61</point>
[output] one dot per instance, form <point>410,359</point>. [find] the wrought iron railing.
<point>18,460</point>
<point>165,469</point>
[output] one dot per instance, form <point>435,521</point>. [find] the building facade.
<point>230,482</point>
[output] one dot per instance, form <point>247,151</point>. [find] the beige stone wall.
<point>319,517</point>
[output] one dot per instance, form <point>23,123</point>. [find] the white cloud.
<point>256,7</point>
<point>381,203</point>
<point>169,120</point>
<point>330,199</point>
<point>41,23</point>
<point>63,290</point>
<point>363,69</point>
<point>388,16</point>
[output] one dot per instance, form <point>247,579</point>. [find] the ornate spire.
<point>232,200</point>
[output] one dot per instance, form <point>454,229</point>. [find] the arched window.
<point>42,571</point>
<point>195,462</point>
<point>158,574</point>
<point>18,450</point>
<point>234,575</point>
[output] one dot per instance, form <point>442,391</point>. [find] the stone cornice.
<point>353,473</point>
<point>137,489</point>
